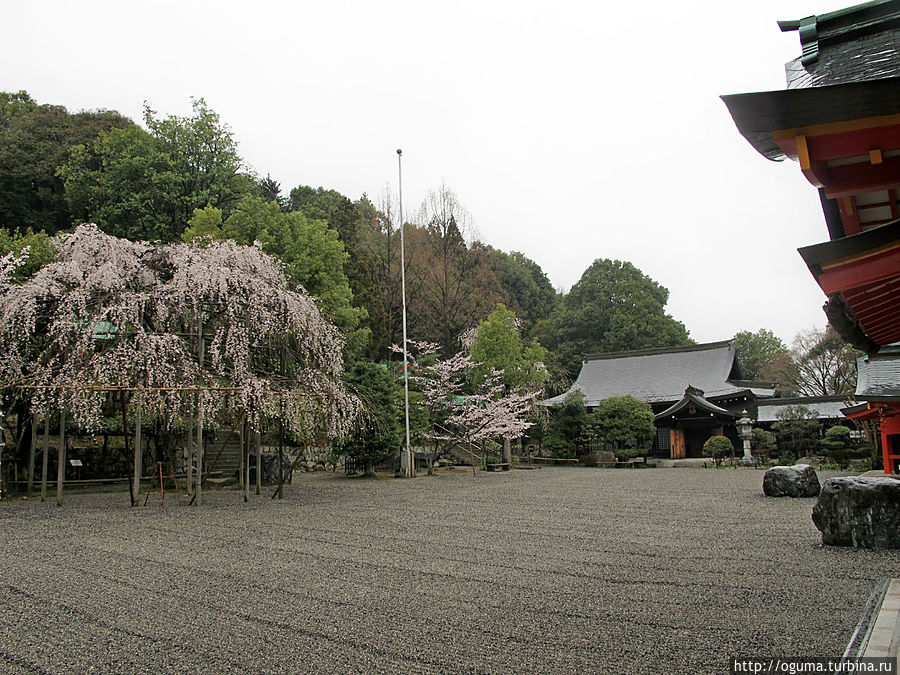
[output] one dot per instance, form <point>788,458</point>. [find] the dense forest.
<point>171,195</point>
<point>181,178</point>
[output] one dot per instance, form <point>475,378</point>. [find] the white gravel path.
<point>558,570</point>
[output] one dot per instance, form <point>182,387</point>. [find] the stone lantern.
<point>745,432</point>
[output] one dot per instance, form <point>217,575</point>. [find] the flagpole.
<point>409,459</point>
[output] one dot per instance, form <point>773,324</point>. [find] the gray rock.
<point>799,480</point>
<point>859,511</point>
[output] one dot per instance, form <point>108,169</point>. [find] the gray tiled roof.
<point>878,375</point>
<point>858,43</point>
<point>698,402</point>
<point>661,375</point>
<point>826,407</point>
<point>757,115</point>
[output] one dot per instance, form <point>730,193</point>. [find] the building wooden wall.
<point>677,445</point>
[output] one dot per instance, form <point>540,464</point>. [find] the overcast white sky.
<point>571,130</point>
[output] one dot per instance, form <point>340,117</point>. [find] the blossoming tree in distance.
<point>463,411</point>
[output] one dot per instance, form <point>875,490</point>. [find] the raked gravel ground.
<point>547,571</point>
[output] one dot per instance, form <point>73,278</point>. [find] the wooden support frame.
<point>198,490</point>
<point>61,458</point>
<point>138,458</point>
<point>245,460</point>
<point>861,270</point>
<point>46,451</point>
<point>241,440</point>
<point>31,449</point>
<point>258,442</point>
<point>849,215</point>
<point>850,179</point>
<point>189,460</point>
<point>131,397</point>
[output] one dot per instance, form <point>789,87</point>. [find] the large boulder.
<point>799,480</point>
<point>859,511</point>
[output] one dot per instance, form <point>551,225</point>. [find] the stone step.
<point>229,461</point>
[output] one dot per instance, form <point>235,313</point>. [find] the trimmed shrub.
<point>718,448</point>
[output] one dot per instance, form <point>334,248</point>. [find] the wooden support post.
<point>245,454</point>
<point>199,485</point>
<point>44,459</point>
<point>61,458</point>
<point>300,455</point>
<point>2,445</point>
<point>190,457</point>
<point>241,438</point>
<point>200,354</point>
<point>122,400</point>
<point>31,456</point>
<point>138,459</point>
<point>280,470</point>
<point>258,440</point>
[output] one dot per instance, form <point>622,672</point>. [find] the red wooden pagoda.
<point>839,119</point>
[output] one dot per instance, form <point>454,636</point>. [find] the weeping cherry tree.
<point>184,331</point>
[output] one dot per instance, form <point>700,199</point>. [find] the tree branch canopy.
<point>167,320</point>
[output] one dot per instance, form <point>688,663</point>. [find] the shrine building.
<point>695,391</point>
<point>839,119</point>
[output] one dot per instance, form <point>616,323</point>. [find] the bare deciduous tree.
<point>821,364</point>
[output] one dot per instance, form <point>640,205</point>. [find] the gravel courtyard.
<point>547,571</point>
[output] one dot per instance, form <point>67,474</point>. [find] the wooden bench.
<point>633,463</point>
<point>555,459</point>
<point>497,466</point>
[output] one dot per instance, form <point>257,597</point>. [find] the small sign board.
<point>75,462</point>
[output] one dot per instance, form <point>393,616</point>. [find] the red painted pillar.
<point>890,443</point>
